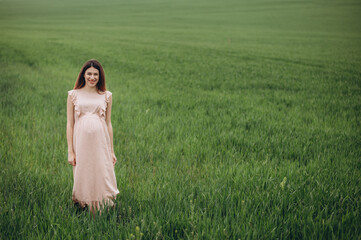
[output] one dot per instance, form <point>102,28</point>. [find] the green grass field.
<point>235,119</point>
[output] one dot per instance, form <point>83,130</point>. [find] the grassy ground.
<point>232,119</point>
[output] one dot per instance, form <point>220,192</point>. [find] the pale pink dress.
<point>94,177</point>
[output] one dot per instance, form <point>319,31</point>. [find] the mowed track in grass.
<point>232,119</point>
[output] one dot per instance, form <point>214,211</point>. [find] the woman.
<point>90,139</point>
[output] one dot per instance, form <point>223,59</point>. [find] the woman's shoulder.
<point>108,94</point>
<point>72,94</point>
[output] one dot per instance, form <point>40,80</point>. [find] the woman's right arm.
<point>70,130</point>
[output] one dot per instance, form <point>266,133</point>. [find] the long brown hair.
<point>80,81</point>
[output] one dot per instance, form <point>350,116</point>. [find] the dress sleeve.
<point>107,96</point>
<point>72,94</point>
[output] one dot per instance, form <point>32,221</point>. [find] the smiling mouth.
<point>91,81</point>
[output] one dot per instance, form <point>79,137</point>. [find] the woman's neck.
<point>90,89</point>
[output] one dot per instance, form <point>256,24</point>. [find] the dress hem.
<point>96,204</point>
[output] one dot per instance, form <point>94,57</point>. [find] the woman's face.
<point>91,76</point>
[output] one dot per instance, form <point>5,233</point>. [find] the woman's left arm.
<point>110,127</point>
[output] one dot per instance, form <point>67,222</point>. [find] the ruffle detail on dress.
<point>107,96</point>
<point>104,107</point>
<point>76,110</point>
<point>72,94</point>
<point>102,110</point>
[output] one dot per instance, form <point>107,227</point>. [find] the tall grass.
<point>232,119</point>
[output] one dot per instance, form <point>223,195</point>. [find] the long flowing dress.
<point>94,178</point>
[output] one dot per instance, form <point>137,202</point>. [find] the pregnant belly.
<point>90,125</point>
<point>91,142</point>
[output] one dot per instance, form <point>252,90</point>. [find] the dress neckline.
<point>90,94</point>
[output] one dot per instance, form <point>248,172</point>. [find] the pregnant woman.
<point>90,139</point>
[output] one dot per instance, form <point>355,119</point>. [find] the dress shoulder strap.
<point>72,94</point>
<point>107,96</point>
